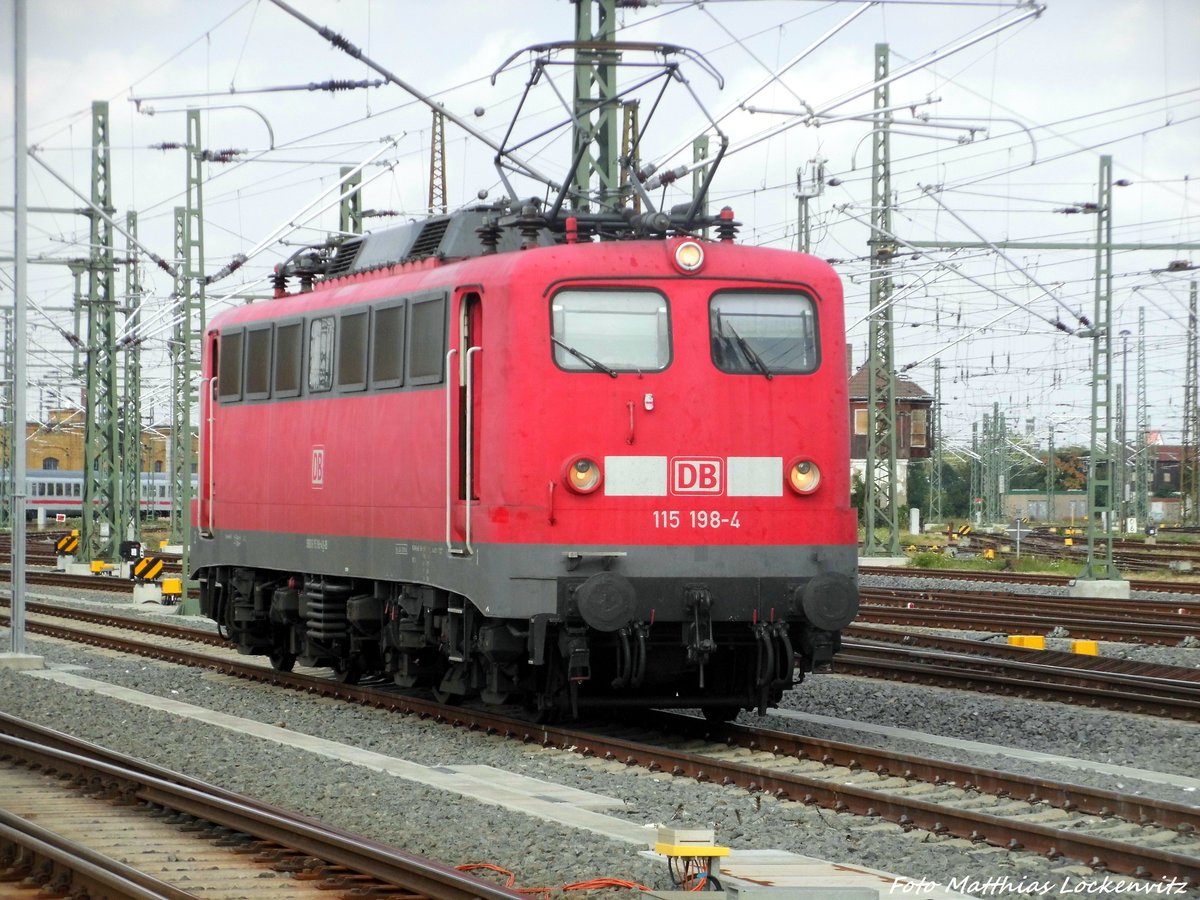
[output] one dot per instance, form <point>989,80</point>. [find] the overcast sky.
<point>1035,105</point>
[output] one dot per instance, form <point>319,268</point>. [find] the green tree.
<point>917,488</point>
<point>956,489</point>
<point>858,494</point>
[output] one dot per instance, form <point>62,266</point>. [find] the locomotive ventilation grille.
<point>429,241</point>
<point>344,257</point>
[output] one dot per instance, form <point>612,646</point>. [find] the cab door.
<point>465,399</point>
<point>209,387</point>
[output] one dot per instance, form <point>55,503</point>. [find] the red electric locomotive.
<point>506,462</point>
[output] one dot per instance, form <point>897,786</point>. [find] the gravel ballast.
<point>457,830</point>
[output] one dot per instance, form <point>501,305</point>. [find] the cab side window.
<point>229,373</point>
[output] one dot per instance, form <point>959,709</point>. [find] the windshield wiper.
<point>594,365</point>
<point>752,357</point>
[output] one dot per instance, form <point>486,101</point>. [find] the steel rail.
<point>1088,800</point>
<point>1095,680</point>
<point>93,874</point>
<point>1164,612</point>
<point>1126,693</point>
<point>1172,586</point>
<point>1120,631</point>
<point>1060,658</point>
<point>193,797</point>
<point>1098,852</point>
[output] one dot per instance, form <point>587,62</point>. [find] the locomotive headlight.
<point>583,475</point>
<point>689,256</point>
<point>803,476</point>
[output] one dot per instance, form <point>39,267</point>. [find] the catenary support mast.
<point>1188,487</point>
<point>131,407</point>
<point>350,211</point>
<point>1100,563</point>
<point>936,486</point>
<point>880,498</point>
<point>7,419</point>
<point>1141,469</point>
<point>102,514</point>
<point>597,131</point>
<point>179,456</point>
<point>437,164</point>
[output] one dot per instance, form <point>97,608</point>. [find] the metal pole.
<point>976,472</point>
<point>20,251</point>
<point>1118,479</point>
<point>1100,565</point>
<point>350,209</point>
<point>103,514</point>
<point>597,129</point>
<point>179,458</point>
<point>1141,478</point>
<point>880,497</point>
<point>7,425</point>
<point>987,470</point>
<point>1187,455</point>
<point>131,408</point>
<point>936,486</point>
<point>1051,472</point>
<point>1123,433</point>
<point>195,313</point>
<point>437,166</point>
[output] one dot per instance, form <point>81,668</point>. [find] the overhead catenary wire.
<point>344,45</point>
<point>768,224</point>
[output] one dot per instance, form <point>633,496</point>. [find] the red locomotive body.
<point>578,473</point>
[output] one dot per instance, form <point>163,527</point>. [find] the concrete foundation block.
<point>21,661</point>
<point>147,592</point>
<point>1106,589</point>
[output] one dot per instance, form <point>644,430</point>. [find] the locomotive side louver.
<point>344,257</point>
<point>429,241</point>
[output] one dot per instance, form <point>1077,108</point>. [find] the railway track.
<point>1092,619</point>
<point>110,583</point>
<point>1131,556</point>
<point>1176,586</point>
<point>79,818</point>
<point>1170,691</point>
<point>1103,664</point>
<point>1118,833</point>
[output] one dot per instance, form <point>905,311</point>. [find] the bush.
<point>927,559</point>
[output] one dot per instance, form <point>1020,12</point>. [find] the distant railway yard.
<point>937,751</point>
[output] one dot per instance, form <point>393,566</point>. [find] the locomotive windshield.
<point>763,333</point>
<point>610,331</point>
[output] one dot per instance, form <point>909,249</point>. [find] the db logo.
<point>697,475</point>
<point>318,466</point>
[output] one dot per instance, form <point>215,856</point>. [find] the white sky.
<point>1087,77</point>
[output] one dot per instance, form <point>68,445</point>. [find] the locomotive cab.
<point>694,462</point>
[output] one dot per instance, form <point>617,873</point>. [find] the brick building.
<point>58,444</point>
<point>914,426</point>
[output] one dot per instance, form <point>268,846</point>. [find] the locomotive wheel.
<point>493,698</point>
<point>347,672</point>
<point>541,714</point>
<point>446,698</point>
<point>720,713</point>
<point>282,661</point>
